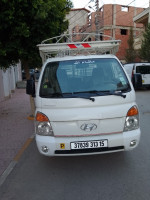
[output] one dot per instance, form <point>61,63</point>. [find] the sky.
<point>85,3</point>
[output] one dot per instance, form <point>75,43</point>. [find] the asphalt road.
<point>117,176</point>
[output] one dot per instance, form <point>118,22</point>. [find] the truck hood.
<point>70,109</point>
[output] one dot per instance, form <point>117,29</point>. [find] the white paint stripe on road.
<point>7,172</point>
<point>13,163</point>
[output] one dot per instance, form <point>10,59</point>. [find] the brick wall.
<point>125,18</point>
<point>121,21</point>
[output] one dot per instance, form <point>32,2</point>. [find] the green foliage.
<point>25,23</point>
<point>130,52</point>
<point>145,47</point>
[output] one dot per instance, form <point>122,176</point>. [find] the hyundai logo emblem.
<point>88,127</point>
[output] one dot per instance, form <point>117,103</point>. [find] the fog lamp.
<point>45,149</point>
<point>132,143</point>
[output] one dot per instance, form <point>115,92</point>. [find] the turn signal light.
<point>133,111</point>
<point>41,117</point>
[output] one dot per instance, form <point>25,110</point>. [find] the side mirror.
<point>30,87</point>
<point>137,80</point>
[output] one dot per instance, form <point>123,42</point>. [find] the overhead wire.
<point>78,13</point>
<point>105,17</point>
<point>78,19</point>
<point>119,10</point>
<point>81,15</point>
<point>80,10</point>
<point>130,12</point>
<point>125,13</point>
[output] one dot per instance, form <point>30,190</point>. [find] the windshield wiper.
<point>104,93</point>
<point>84,94</point>
<point>74,95</point>
<point>117,93</point>
<point>66,95</point>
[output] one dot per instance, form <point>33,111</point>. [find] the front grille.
<point>76,151</point>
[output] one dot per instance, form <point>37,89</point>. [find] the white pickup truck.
<point>85,104</point>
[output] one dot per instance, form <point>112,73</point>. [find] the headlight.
<point>131,123</point>
<point>43,125</point>
<point>44,128</point>
<point>132,119</point>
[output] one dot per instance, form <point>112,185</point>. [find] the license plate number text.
<point>89,144</point>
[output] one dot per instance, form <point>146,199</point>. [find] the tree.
<point>24,24</point>
<point>130,52</point>
<point>145,47</point>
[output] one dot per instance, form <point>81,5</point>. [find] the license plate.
<point>89,144</point>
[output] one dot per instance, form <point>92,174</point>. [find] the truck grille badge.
<point>88,127</point>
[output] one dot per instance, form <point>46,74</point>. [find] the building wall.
<point>122,18</point>
<point>8,80</point>
<point>143,18</point>
<point>1,86</point>
<point>125,18</point>
<point>18,72</point>
<point>12,79</point>
<point>107,14</point>
<point>6,83</point>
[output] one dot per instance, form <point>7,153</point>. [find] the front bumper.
<point>60,146</point>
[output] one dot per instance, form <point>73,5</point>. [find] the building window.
<point>124,8</point>
<point>101,36</point>
<point>101,9</point>
<point>89,20</point>
<point>123,31</point>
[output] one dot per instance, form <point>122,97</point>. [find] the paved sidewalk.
<point>15,128</point>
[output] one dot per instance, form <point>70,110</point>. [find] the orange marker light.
<point>41,117</point>
<point>133,111</point>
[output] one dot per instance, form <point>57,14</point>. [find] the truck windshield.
<point>85,75</point>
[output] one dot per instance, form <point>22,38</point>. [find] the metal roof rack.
<point>67,45</point>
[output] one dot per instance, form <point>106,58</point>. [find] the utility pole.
<point>114,21</point>
<point>135,13</point>
<point>97,18</point>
